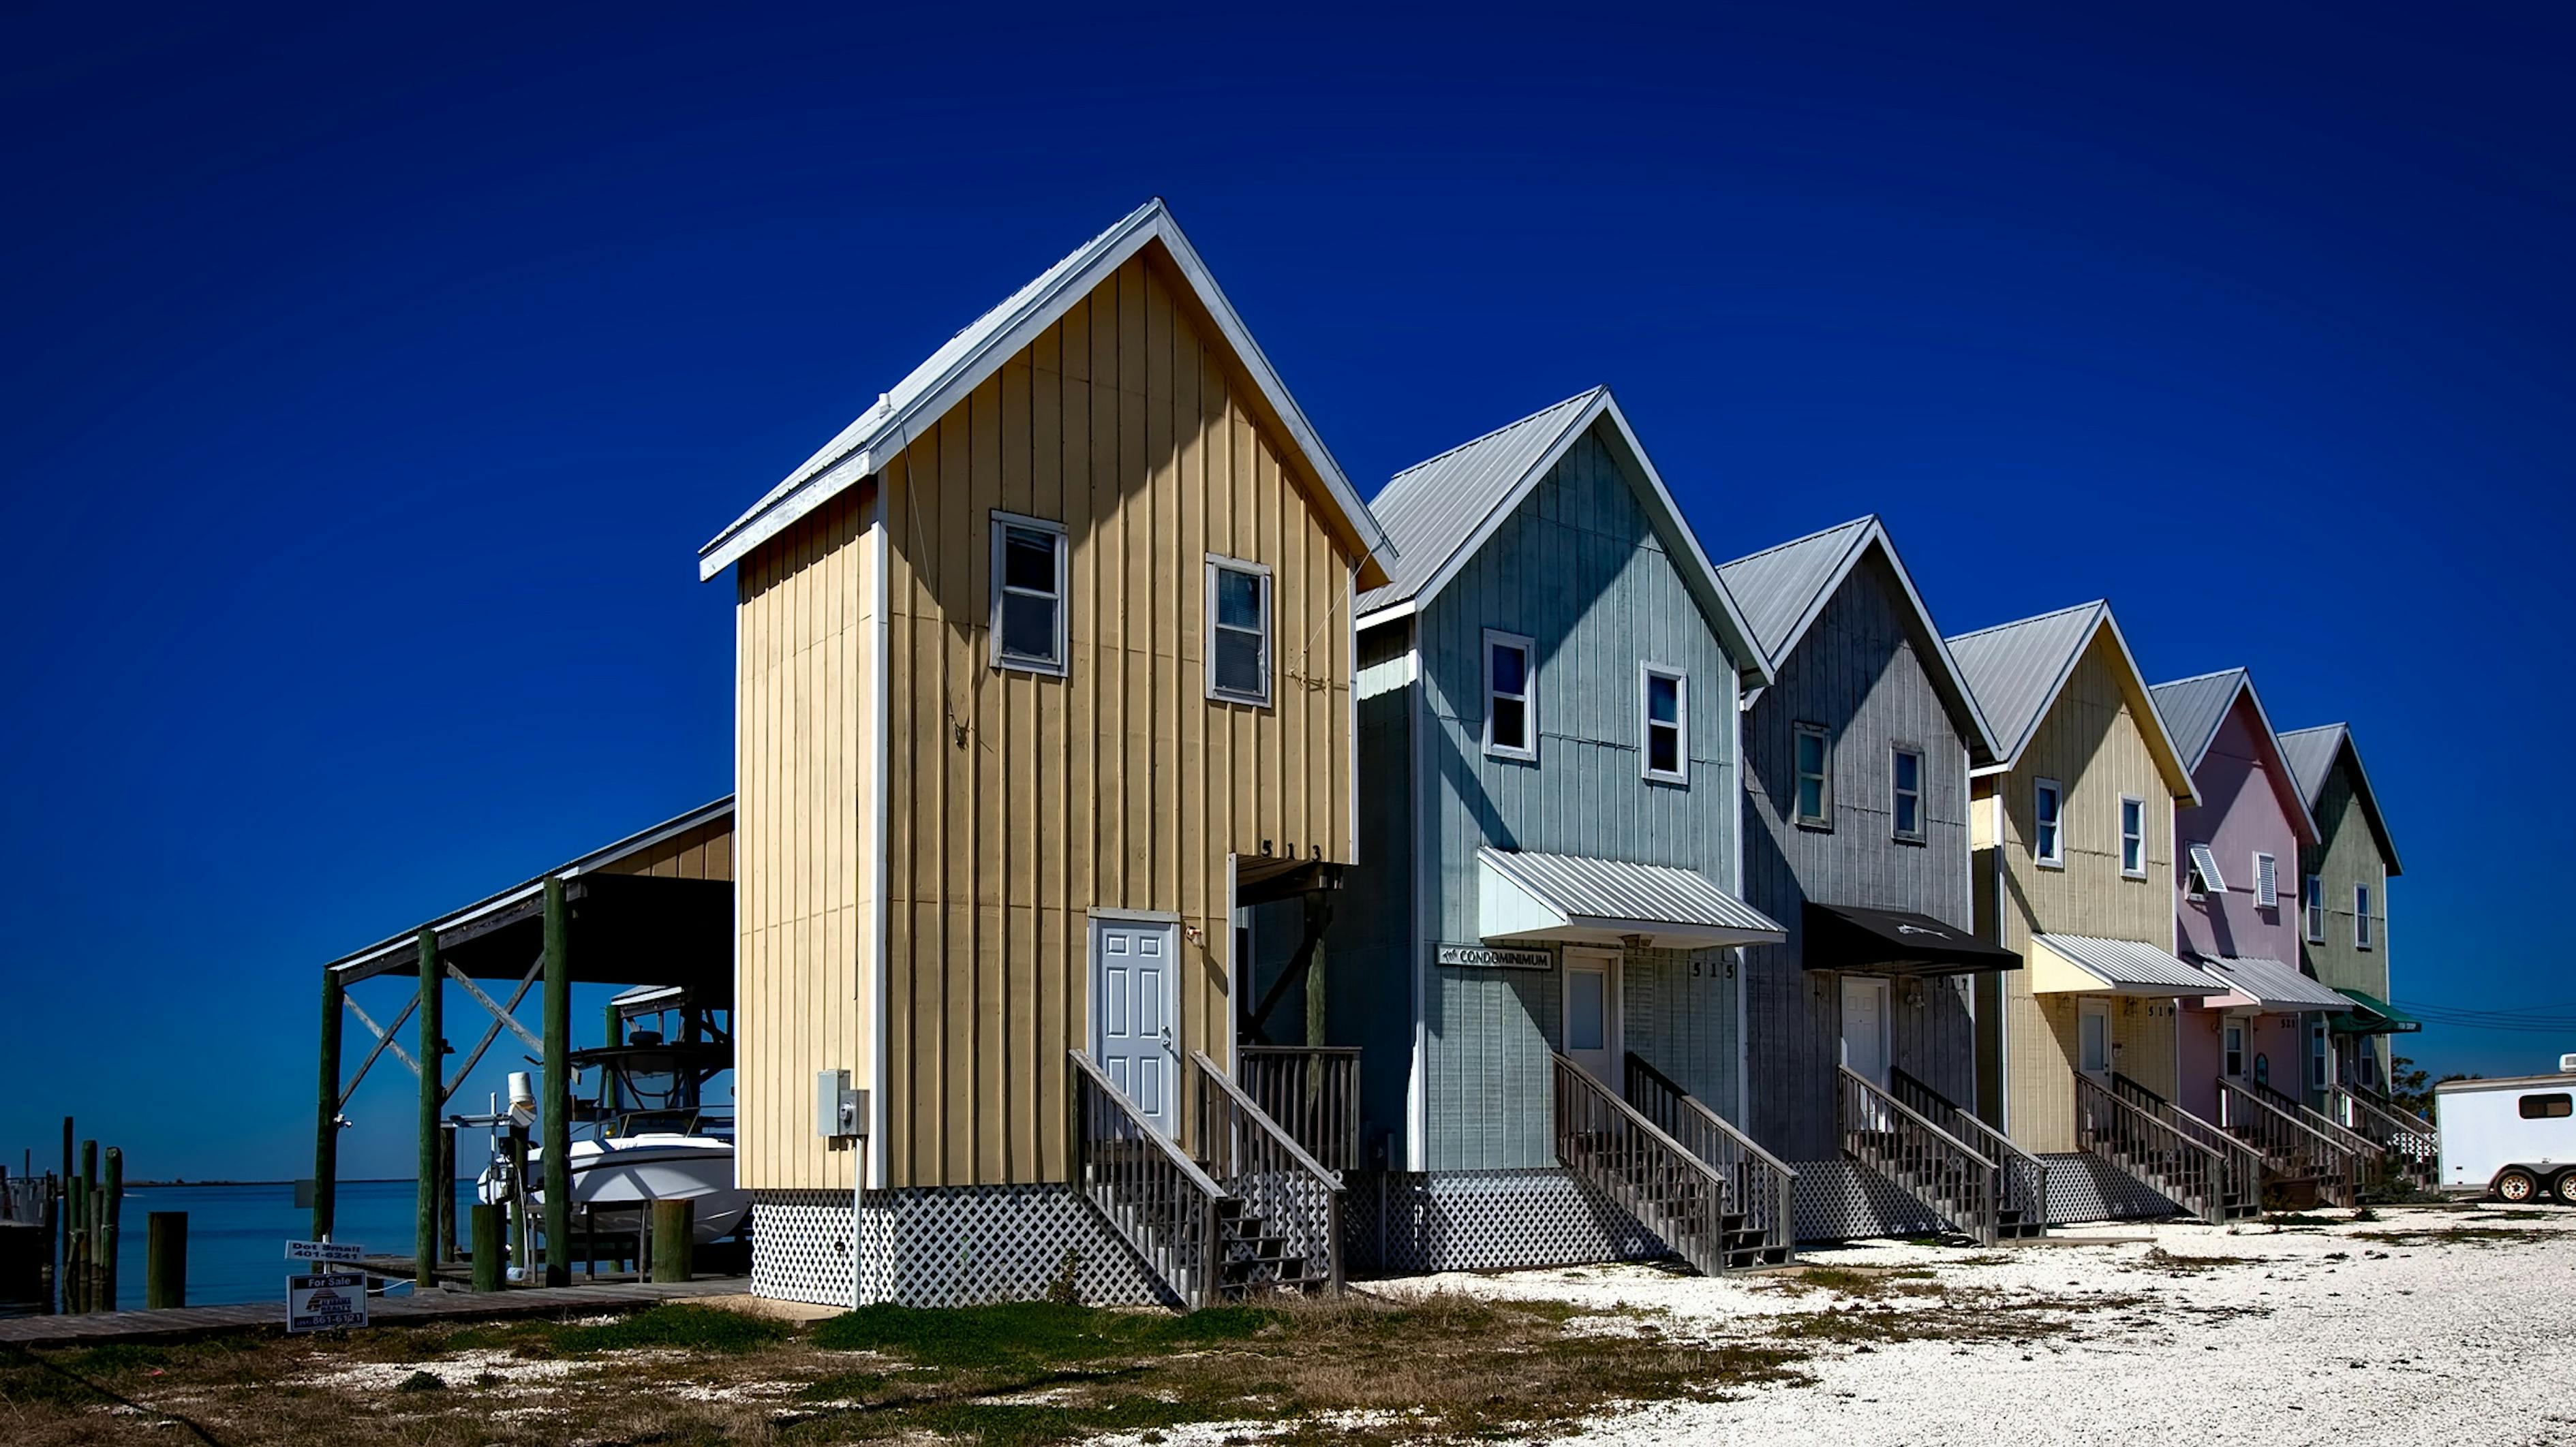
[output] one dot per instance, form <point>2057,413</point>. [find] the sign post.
<point>326,1300</point>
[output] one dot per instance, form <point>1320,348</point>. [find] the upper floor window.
<point>1905,767</point>
<point>1238,631</point>
<point>2267,881</point>
<point>2133,836</point>
<point>2361,916</point>
<point>2048,822</point>
<point>1814,794</point>
<point>2201,877</point>
<point>2316,904</point>
<point>1511,695</point>
<point>1028,623</point>
<point>1663,708</point>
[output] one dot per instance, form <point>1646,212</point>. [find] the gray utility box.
<point>840,1112</point>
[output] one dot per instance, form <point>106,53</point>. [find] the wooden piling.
<point>490,1256</point>
<point>558,1102</point>
<point>675,1240</point>
<point>446,1192</point>
<point>165,1259</point>
<point>326,1114</point>
<point>111,1205</point>
<point>68,1221</point>
<point>433,1066</point>
<point>517,1147</point>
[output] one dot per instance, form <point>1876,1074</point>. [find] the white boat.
<point>650,1142</point>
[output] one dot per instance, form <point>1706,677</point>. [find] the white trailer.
<point>2513,1138</point>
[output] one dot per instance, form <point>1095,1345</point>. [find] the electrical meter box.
<point>839,1110</point>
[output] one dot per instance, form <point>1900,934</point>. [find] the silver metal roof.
<point>2016,670</point>
<point>976,352</point>
<point>2194,709</point>
<point>2311,754</point>
<point>2127,964</point>
<point>1612,892</point>
<point>1784,589</point>
<point>2274,985</point>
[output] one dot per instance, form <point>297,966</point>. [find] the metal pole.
<point>433,1062</point>
<point>558,1105</point>
<point>326,1116</point>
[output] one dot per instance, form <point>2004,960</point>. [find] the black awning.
<point>1893,942</point>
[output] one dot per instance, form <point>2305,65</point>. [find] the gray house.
<point>1856,838</point>
<point>1548,997</point>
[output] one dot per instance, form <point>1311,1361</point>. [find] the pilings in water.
<point>93,1206</point>
<point>165,1259</point>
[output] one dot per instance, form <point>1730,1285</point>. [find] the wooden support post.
<point>557,1149</point>
<point>446,1192</point>
<point>326,1117</point>
<point>489,1253</point>
<point>616,1035</point>
<point>111,1206</point>
<point>89,1226</point>
<point>675,1240</point>
<point>165,1259</point>
<point>69,1221</point>
<point>517,1147</point>
<point>433,1060</point>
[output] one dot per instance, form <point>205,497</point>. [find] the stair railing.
<point>2288,1143</point>
<point>2240,1177</point>
<point>2315,1120</point>
<point>1154,1196</point>
<point>1313,1091</point>
<point>1760,1186</point>
<point>2025,1176</point>
<point>1606,1141</point>
<point>1259,1163</point>
<point>1928,1163</point>
<point>2142,1144</point>
<point>2399,1132</point>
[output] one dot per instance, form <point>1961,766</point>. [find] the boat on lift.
<point>649,1140</point>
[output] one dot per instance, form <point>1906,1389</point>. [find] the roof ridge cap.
<point>1404,472</point>
<point>2102,603</point>
<point>1863,520</point>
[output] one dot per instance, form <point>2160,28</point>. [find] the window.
<point>2361,916</point>
<point>2048,822</point>
<point>2235,1067</point>
<point>2133,836</point>
<point>1907,769</point>
<point>2370,1066</point>
<point>1238,636</point>
<point>2316,897</point>
<point>2320,1059</point>
<point>1511,683</point>
<point>2267,881</point>
<point>2547,1107</point>
<point>2201,876</point>
<point>1814,799</point>
<point>1663,710</point>
<point>1028,594</point>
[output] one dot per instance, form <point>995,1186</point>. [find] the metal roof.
<point>2127,964</point>
<point>2271,984</point>
<point>2194,709</point>
<point>1784,589</point>
<point>975,353</point>
<point>2016,670</point>
<point>1609,893</point>
<point>2311,754</point>
<point>1437,513</point>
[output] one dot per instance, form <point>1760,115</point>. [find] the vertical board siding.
<point>1370,940</point>
<point>1019,802</point>
<point>2347,855</point>
<point>804,631</point>
<point>705,852</point>
<point>1859,672</point>
<point>2243,808</point>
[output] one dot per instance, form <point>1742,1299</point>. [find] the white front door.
<point>1592,1013</point>
<point>2093,1038</point>
<point>1865,1028</point>
<point>1134,1004</point>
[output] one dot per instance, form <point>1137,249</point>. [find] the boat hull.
<point>615,1181</point>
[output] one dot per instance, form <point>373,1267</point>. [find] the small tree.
<point>2410,1086</point>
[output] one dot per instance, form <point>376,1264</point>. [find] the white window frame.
<point>1896,793</point>
<point>1647,673</point>
<point>1823,818</point>
<point>2320,1059</point>
<point>1002,522</point>
<point>2361,916</point>
<point>2048,858</point>
<point>1528,750</point>
<point>2312,902</point>
<point>1218,563</point>
<point>2267,868</point>
<point>2129,803</point>
<point>2231,1049</point>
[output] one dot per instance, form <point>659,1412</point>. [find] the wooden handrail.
<point>1291,1193</point>
<point>1642,1066</point>
<point>1312,1091</point>
<point>1761,1185</point>
<point>2314,1119</point>
<point>1937,1168</point>
<point>1606,1141</point>
<point>2025,1174</point>
<point>2284,1138</point>
<point>2130,1134</point>
<point>1154,1196</point>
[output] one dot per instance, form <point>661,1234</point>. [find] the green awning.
<point>2371,1015</point>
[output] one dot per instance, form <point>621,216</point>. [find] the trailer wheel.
<point>2516,1185</point>
<point>2565,1189</point>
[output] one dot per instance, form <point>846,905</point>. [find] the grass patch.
<point>670,1326</point>
<point>1964,1318</point>
<point>1861,1281</point>
<point>2168,1263</point>
<point>1031,1334</point>
<point>2299,1220</point>
<point>2460,1235</point>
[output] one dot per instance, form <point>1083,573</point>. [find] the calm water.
<point>237,1235</point>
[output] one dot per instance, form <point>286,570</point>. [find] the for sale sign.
<point>326,1302</point>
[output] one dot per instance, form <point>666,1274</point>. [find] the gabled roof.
<point>974,354</point>
<point>1437,513</point>
<point>2016,671</point>
<point>2312,754</point>
<point>2195,709</point>
<point>1784,589</point>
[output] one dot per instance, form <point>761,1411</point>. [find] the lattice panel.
<point>2084,1187</point>
<point>800,1245</point>
<point>1397,1223</point>
<point>1843,1200</point>
<point>943,1246</point>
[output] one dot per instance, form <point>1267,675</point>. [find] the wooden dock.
<point>100,1328</point>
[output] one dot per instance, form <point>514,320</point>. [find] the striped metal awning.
<point>2254,982</point>
<point>1572,899</point>
<point>2082,965</point>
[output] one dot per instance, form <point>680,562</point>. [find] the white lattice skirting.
<point>1843,1200</point>
<point>2084,1187</point>
<point>1400,1223</point>
<point>943,1246</point>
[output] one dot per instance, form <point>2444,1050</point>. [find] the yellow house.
<point>1044,674</point>
<point>2072,839</point>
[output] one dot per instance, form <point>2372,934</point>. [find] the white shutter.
<point>2205,860</point>
<point>2267,882</point>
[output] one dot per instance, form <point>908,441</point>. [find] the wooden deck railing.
<point>2144,1146</point>
<point>1311,1090</point>
<point>2290,1145</point>
<point>1606,1141</point>
<point>1296,1200</point>
<point>2240,1178</point>
<point>2400,1133</point>
<point>1761,1187</point>
<point>1156,1198</point>
<point>2025,1176</point>
<point>1923,1160</point>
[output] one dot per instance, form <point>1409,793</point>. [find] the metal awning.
<point>1892,942</point>
<point>1571,899</point>
<point>2256,983</point>
<point>2368,1014</point>
<point>2082,965</point>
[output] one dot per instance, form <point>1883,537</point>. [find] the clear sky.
<point>372,377</point>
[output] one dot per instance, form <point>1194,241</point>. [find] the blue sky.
<point>371,380</point>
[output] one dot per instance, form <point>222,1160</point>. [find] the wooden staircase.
<point>2306,1157</point>
<point>2021,1201</point>
<point>2218,1183</point>
<point>2407,1147</point>
<point>1686,1200</point>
